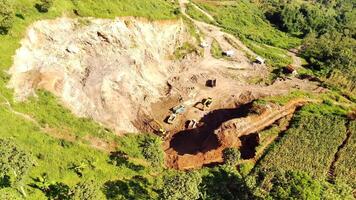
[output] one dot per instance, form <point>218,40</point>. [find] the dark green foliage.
<point>331,51</point>
<point>299,185</point>
<point>231,156</point>
<point>44,5</point>
<point>14,163</point>
<point>53,190</point>
<point>88,190</point>
<point>6,16</point>
<point>224,183</point>
<point>136,188</point>
<point>181,186</point>
<point>152,150</point>
<point>295,185</point>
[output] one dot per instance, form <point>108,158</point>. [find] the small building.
<point>229,53</point>
<point>204,44</point>
<point>290,70</point>
<point>260,60</point>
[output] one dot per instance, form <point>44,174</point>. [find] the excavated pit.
<point>203,139</point>
<point>248,145</point>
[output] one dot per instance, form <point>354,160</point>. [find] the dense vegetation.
<point>329,31</point>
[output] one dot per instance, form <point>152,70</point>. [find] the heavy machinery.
<point>211,83</point>
<point>205,103</point>
<point>178,109</point>
<point>170,119</point>
<point>157,127</point>
<point>190,124</point>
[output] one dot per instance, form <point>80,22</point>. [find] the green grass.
<point>197,14</point>
<point>186,49</point>
<point>216,50</point>
<point>55,158</point>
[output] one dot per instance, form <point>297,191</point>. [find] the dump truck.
<point>170,119</point>
<point>178,109</point>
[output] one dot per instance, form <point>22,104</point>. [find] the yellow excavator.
<point>157,128</point>
<point>205,103</point>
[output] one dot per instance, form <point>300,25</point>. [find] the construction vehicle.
<point>170,119</point>
<point>178,109</point>
<point>211,83</point>
<point>191,124</point>
<point>157,127</point>
<point>205,103</point>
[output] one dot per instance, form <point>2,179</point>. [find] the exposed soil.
<point>203,139</point>
<point>203,146</point>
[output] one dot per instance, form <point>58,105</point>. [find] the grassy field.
<point>345,169</point>
<point>246,21</point>
<point>309,145</point>
<point>197,14</point>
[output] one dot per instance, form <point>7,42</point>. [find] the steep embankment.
<point>103,69</point>
<point>228,135</point>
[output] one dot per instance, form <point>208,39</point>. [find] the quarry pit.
<point>123,74</point>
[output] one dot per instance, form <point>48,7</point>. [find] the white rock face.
<point>108,70</point>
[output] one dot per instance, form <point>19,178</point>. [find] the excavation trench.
<point>223,128</point>
<point>202,139</point>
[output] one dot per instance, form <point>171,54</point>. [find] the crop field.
<point>309,145</point>
<point>345,169</point>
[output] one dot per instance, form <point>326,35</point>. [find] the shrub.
<point>152,150</point>
<point>181,186</point>
<point>87,189</point>
<point>44,5</point>
<point>6,16</point>
<point>231,156</point>
<point>14,163</point>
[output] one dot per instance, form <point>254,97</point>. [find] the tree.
<point>152,150</point>
<point>88,190</point>
<point>231,156</point>
<point>299,185</point>
<point>6,16</point>
<point>181,186</point>
<point>224,182</point>
<point>44,5</point>
<point>14,164</point>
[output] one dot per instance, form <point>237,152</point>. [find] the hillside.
<point>186,99</point>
